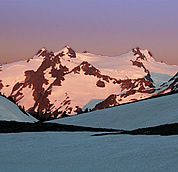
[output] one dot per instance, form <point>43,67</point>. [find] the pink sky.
<point>107,27</point>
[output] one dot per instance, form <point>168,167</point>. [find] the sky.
<point>105,27</point>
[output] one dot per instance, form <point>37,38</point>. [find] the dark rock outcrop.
<point>148,77</point>
<point>71,53</point>
<point>170,86</point>
<point>100,83</point>
<point>132,86</point>
<point>137,51</point>
<point>140,65</point>
<point>140,84</point>
<point>1,85</point>
<point>150,53</point>
<point>108,102</point>
<point>89,69</point>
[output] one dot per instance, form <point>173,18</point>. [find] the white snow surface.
<point>79,152</point>
<point>146,113</point>
<point>10,112</point>
<point>79,92</point>
<point>159,78</point>
<point>121,66</point>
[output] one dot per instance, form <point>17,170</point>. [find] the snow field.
<point>78,152</point>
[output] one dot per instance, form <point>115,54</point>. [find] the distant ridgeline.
<point>57,84</point>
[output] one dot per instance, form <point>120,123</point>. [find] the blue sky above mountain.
<point>99,26</point>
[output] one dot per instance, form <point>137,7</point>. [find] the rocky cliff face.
<point>54,84</point>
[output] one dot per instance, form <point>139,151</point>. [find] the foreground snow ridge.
<point>11,112</point>
<point>147,113</point>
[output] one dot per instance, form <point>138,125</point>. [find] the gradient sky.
<point>107,27</point>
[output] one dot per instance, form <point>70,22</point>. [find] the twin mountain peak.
<point>56,84</point>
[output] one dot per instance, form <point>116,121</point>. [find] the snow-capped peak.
<point>142,55</point>
<point>43,49</point>
<point>66,51</point>
<point>66,47</point>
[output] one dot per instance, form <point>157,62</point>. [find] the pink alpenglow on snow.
<point>52,84</point>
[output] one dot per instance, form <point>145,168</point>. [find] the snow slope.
<point>79,152</point>
<point>147,113</point>
<point>10,112</point>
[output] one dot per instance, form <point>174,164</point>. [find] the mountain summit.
<point>55,84</point>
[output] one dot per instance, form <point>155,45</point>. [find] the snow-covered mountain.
<point>9,111</point>
<point>53,84</point>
